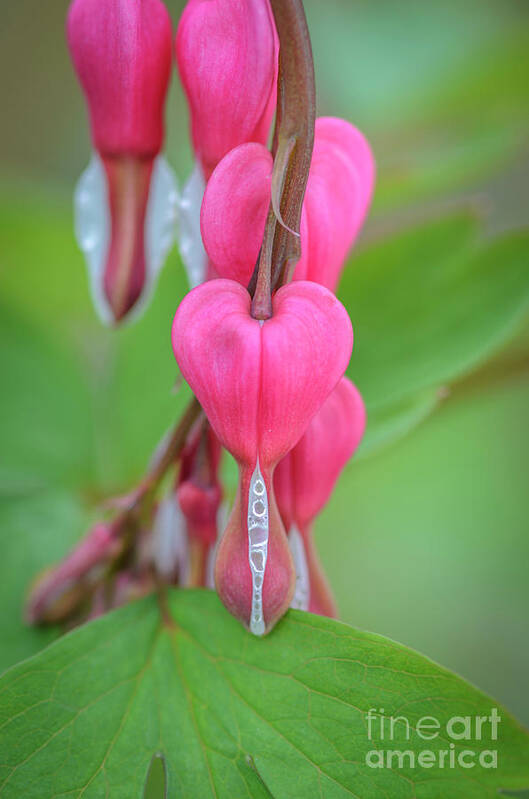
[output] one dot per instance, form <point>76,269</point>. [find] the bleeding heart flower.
<point>199,495</point>
<point>227,57</point>
<point>338,194</point>
<point>260,383</point>
<point>227,52</point>
<point>304,481</point>
<point>126,199</point>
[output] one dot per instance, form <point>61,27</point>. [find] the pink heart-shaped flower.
<point>260,383</point>
<point>338,194</point>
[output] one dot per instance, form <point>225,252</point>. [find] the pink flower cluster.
<point>273,390</point>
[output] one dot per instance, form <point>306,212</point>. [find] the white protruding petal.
<point>222,518</point>
<point>160,220</point>
<point>301,597</point>
<point>258,530</point>
<point>170,551</point>
<point>92,229</point>
<point>189,237</point>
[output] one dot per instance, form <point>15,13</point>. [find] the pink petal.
<point>217,345</point>
<point>121,50</point>
<point>261,385</point>
<point>305,478</point>
<point>233,577</point>
<point>128,181</point>
<point>199,490</point>
<point>338,195</point>
<point>306,348</point>
<point>227,57</point>
<point>234,211</point>
<point>321,599</point>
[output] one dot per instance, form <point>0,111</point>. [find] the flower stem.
<point>168,452</point>
<point>293,143</point>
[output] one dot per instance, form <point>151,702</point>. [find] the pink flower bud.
<point>259,384</point>
<point>121,51</point>
<point>58,590</point>
<point>305,478</point>
<point>227,57</point>
<point>199,491</point>
<point>338,194</point>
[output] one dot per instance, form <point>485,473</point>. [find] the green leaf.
<point>427,541</point>
<point>434,123</point>
<point>35,531</point>
<point>387,423</point>
<point>430,304</point>
<point>234,715</point>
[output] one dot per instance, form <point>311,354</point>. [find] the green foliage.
<point>427,541</point>
<point>441,89</point>
<point>430,304</point>
<point>234,715</point>
<point>36,529</point>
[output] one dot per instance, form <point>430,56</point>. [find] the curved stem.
<point>293,143</point>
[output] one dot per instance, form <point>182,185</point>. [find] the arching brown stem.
<point>293,143</point>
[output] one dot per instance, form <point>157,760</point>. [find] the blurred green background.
<point>426,538</point>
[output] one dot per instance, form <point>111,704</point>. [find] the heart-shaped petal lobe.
<point>261,383</point>
<point>234,211</point>
<point>337,198</point>
<point>305,478</point>
<point>338,194</point>
<point>217,345</point>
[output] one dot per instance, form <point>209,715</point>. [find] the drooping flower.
<point>260,383</point>
<point>304,480</point>
<point>199,496</point>
<point>227,57</point>
<point>337,197</point>
<point>227,52</point>
<point>126,199</point>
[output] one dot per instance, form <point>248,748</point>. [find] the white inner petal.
<point>160,221</point>
<point>257,546</point>
<point>93,225</point>
<point>301,597</point>
<point>190,243</point>
<point>222,518</point>
<point>92,229</point>
<point>170,549</point>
